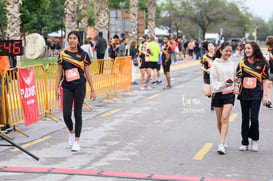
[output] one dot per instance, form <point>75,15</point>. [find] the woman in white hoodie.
<point>222,75</point>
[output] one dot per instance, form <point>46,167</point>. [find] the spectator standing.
<point>185,46</point>
<point>191,47</point>
<point>101,46</point>
<point>87,48</point>
<point>197,49</point>
<point>175,49</point>
<point>122,48</point>
<point>134,54</point>
<point>4,64</point>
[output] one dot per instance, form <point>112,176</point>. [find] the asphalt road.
<point>168,132</point>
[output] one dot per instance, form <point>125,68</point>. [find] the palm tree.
<point>151,5</point>
<point>14,21</point>
<point>84,6</point>
<point>71,16</point>
<point>102,17</point>
<point>133,18</point>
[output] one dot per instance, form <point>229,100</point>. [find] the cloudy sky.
<point>261,8</point>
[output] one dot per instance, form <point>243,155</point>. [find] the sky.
<point>261,8</point>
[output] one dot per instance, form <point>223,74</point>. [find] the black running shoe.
<point>269,105</point>
<point>6,128</point>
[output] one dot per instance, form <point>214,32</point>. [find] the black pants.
<point>77,93</point>
<point>101,63</point>
<point>250,108</point>
<point>100,55</point>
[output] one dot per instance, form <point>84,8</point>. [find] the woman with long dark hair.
<point>222,75</point>
<point>253,74</point>
<point>205,66</point>
<point>73,65</point>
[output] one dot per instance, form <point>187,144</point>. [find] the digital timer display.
<point>11,47</point>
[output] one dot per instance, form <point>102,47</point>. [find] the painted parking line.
<point>153,96</point>
<point>179,86</point>
<point>233,117</point>
<point>32,143</point>
<point>198,78</point>
<point>111,112</point>
<point>113,174</point>
<point>202,152</point>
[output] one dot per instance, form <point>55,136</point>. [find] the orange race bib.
<point>72,74</point>
<point>249,83</point>
<point>209,63</point>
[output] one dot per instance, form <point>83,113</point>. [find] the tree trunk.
<point>84,6</point>
<point>134,20</point>
<point>71,17</point>
<point>151,5</point>
<point>14,21</point>
<point>102,17</point>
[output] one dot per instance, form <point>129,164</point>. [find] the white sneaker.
<point>243,148</point>
<point>76,146</point>
<point>221,149</point>
<point>71,139</point>
<point>254,146</point>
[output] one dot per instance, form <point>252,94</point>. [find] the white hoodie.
<point>221,71</point>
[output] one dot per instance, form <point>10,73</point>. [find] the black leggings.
<point>250,109</point>
<point>77,93</point>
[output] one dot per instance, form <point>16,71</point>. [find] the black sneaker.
<point>134,83</point>
<point>269,105</point>
<point>153,83</point>
<point>6,128</point>
<point>159,82</point>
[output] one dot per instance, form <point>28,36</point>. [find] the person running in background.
<point>144,66</point>
<point>155,49</point>
<point>252,72</point>
<point>166,60</point>
<point>222,76</point>
<point>134,55</point>
<point>234,47</point>
<point>159,81</point>
<point>205,66</point>
<point>269,44</point>
<point>74,63</point>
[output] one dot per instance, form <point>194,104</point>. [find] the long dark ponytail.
<point>79,39</point>
<point>222,47</point>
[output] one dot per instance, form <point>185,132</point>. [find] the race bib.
<point>147,59</point>
<point>209,63</point>
<point>72,74</point>
<point>249,83</point>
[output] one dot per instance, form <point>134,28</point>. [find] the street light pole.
<point>197,24</point>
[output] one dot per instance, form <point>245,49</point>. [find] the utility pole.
<point>197,23</point>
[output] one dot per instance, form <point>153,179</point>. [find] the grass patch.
<point>43,61</point>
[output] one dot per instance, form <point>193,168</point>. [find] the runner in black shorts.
<point>222,76</point>
<point>205,65</point>
<point>144,66</point>
<point>166,60</point>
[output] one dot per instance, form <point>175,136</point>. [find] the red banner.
<point>28,95</point>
